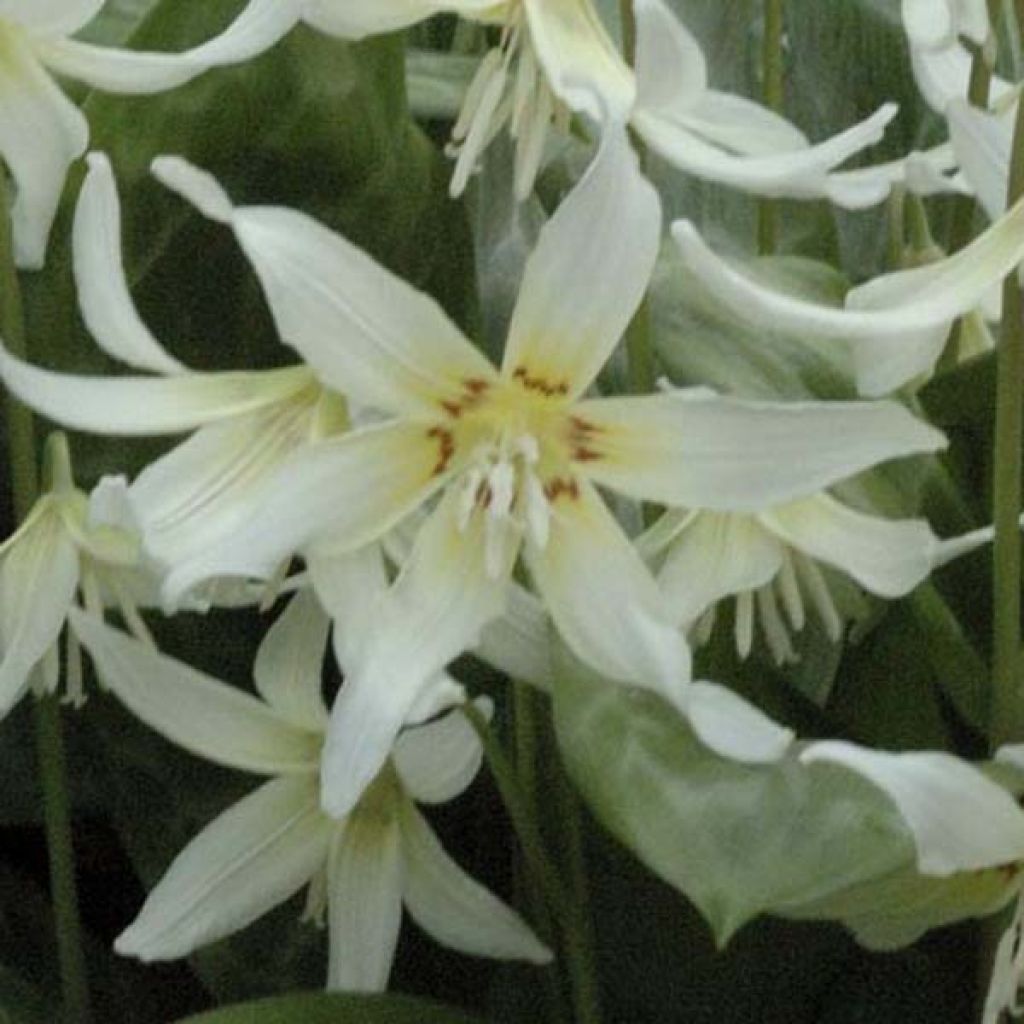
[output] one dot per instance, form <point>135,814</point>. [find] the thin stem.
<point>49,741</point>
<point>772,70</point>
<point>1006,717</point>
<point>579,939</point>
<point>627,18</point>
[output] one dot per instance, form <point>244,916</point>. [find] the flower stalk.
<point>49,738</point>
<point>771,64</point>
<point>1006,716</point>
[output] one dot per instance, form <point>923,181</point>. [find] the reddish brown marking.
<point>584,427</point>
<point>559,487</point>
<point>1009,871</point>
<point>541,385</point>
<point>473,390</point>
<point>582,454</point>
<point>446,448</point>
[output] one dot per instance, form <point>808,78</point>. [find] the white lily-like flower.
<point>983,141</point>
<point>516,455</point>
<point>771,562</point>
<point>41,131</point>
<point>896,325</point>
<point>245,423</point>
<point>555,58</point>
<point>361,868</point>
<point>70,545</point>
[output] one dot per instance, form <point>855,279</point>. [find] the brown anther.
<point>582,454</point>
<point>558,487</point>
<point>446,448</point>
<point>540,385</point>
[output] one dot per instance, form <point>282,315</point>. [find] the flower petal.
<point>50,17</point>
<point>103,295</point>
<point>960,820</point>
<point>928,23</point>
<point>364,904</point>
<point>41,133</point>
<point>670,67</point>
<point>114,69</point>
<point>143,406</point>
<point>888,557</point>
<point>356,21</point>
<point>453,907</point>
<point>356,486</point>
<point>38,579</point>
<point>194,710</point>
<point>434,611</point>
<point>438,760</point>
<point>288,671</point>
<point>364,331</point>
<point>260,25</point>
<point>604,602</point>
<point>581,63</point>
<point>732,727</point>
<point>255,855</point>
<point>700,450</point>
<point>982,143</point>
<point>714,556</point>
<point>518,642</point>
<point>889,345</point>
<point>586,276</point>
<point>195,497</point>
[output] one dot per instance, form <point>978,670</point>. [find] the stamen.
<point>704,627</point>
<point>75,688</point>
<point>789,590</point>
<point>744,630</point>
<point>817,589</point>
<point>774,627</point>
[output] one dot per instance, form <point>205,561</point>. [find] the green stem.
<point>772,70</point>
<point>627,18</point>
<point>49,741</point>
<point>1006,718</point>
<point>579,938</point>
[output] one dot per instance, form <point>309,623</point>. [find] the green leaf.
<point>321,1008</point>
<point>737,840</point>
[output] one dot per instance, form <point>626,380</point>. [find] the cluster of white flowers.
<point>439,504</point>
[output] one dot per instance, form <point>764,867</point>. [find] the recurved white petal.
<point>714,556</point>
<point>366,332</point>
<point>897,324</point>
<point>205,489</point>
<point>604,602</point>
<point>260,25</point>
<point>453,907</point>
<point>146,405</point>
<point>355,21</point>
<point>438,760</point>
<point>700,450</point>
<point>38,578</point>
<point>928,23</point>
<point>50,17</point>
<point>670,67</point>
<point>364,903</point>
<point>288,671</point>
<point>115,69</point>
<point>434,612</point>
<point>888,557</point>
<point>582,64</point>
<point>194,710</point>
<point>41,133</point>
<point>732,727</point>
<point>356,486</point>
<point>103,295</point>
<point>982,142</point>
<point>801,173</point>
<point>960,820</point>
<point>257,854</point>
<point>586,276</point>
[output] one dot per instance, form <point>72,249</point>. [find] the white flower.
<point>895,325</point>
<point>245,423</point>
<point>361,868</point>
<point>515,456</point>
<point>554,58</point>
<point>70,544</point>
<point>41,131</point>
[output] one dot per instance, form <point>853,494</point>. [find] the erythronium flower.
<point>895,325</point>
<point>771,562</point>
<point>554,58</point>
<point>41,131</point>
<point>361,868</point>
<point>245,423</point>
<point>514,454</point>
<point>983,142</point>
<point>70,544</point>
